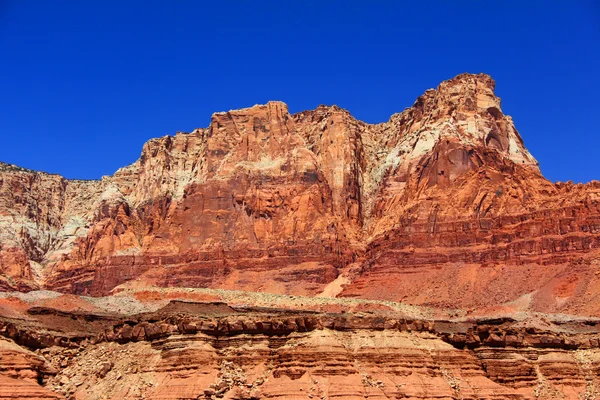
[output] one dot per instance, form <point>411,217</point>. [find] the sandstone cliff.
<point>440,206</point>
<point>130,346</point>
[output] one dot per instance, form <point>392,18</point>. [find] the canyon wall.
<point>213,350</point>
<point>440,206</point>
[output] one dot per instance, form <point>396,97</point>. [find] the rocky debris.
<point>104,369</point>
<point>231,377</point>
<point>118,370</point>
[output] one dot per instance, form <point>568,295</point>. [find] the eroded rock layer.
<point>54,346</point>
<point>440,206</point>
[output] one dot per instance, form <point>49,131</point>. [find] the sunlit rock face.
<point>307,256</point>
<point>440,206</point>
<point>177,344</point>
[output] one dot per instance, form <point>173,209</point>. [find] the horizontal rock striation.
<point>442,206</point>
<point>213,350</point>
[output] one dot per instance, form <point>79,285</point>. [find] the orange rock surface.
<point>441,206</point>
<point>178,348</point>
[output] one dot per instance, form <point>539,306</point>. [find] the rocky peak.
<point>252,119</point>
<point>463,110</point>
<point>250,138</point>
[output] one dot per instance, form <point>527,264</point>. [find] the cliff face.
<point>213,350</point>
<point>442,206</point>
<point>41,217</point>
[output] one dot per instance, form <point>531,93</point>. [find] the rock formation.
<point>130,347</point>
<point>442,205</point>
<point>307,256</point>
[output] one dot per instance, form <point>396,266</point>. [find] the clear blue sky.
<point>83,84</point>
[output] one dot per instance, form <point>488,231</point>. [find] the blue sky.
<point>83,84</point>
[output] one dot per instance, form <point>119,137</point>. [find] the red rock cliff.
<point>442,205</point>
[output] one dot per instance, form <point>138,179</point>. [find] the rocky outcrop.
<point>211,350</point>
<point>41,217</point>
<point>442,205</point>
<point>21,371</point>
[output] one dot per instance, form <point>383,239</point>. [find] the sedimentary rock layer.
<point>442,205</point>
<point>190,350</point>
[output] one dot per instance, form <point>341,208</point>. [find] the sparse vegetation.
<point>4,167</point>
